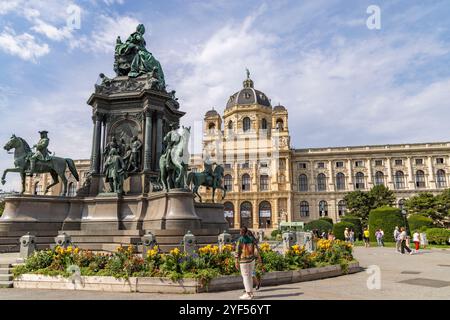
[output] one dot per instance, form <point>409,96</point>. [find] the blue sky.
<point>342,83</point>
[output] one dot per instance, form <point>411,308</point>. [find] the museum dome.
<point>211,113</point>
<point>279,108</point>
<point>248,95</point>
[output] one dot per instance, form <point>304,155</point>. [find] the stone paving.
<point>421,276</point>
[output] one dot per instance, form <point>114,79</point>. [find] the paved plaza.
<point>422,276</point>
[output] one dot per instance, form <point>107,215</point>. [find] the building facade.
<point>268,182</point>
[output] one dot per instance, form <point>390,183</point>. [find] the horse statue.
<point>173,163</point>
<point>203,179</point>
<point>56,166</point>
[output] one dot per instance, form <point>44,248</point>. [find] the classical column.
<point>148,141</point>
<point>159,138</point>
<point>95,164</point>
<point>390,183</point>
<point>332,186</point>
<point>351,186</point>
<point>432,182</point>
<point>410,174</point>
<point>369,173</point>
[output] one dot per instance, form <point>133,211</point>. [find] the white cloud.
<point>52,32</point>
<point>7,6</point>
<point>103,37</point>
<point>24,46</point>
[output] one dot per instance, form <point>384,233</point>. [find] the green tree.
<point>441,216</point>
<point>380,196</point>
<point>358,204</point>
<point>423,203</point>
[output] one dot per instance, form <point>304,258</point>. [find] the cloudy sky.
<point>343,83</point>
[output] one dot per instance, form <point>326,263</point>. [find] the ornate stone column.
<point>148,141</point>
<point>390,182</point>
<point>159,138</point>
<point>432,182</point>
<point>96,141</point>
<point>411,180</point>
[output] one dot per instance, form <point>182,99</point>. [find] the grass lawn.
<point>359,243</point>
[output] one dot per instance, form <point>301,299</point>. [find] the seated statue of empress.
<point>142,60</point>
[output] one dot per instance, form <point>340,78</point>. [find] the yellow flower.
<point>175,252</point>
<point>76,250</point>
<point>265,247</point>
<point>227,248</point>
<point>130,249</point>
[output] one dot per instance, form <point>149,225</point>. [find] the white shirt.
<point>416,237</point>
<point>402,235</point>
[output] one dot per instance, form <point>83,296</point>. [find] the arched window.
<point>303,183</point>
<point>228,212</point>
<point>280,125</point>
<point>323,208</point>
<point>342,207</point>
<point>340,181</point>
<point>246,182</point>
<point>246,214</point>
<point>265,214</point>
<point>37,189</point>
<point>264,182</point>
<point>420,179</point>
<point>440,179</point>
<point>228,182</point>
<point>321,182</point>
<point>264,124</point>
<point>230,124</point>
<point>401,204</point>
<point>304,209</point>
<point>72,189</point>
<point>399,180</point>
<point>246,124</point>
<point>359,180</point>
<point>379,178</point>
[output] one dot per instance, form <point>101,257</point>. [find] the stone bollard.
<point>27,245</point>
<point>148,242</point>
<point>63,240</point>
<point>288,240</point>
<point>308,241</point>
<point>260,235</point>
<point>223,239</point>
<point>189,243</point>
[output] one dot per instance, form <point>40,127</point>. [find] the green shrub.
<point>274,233</point>
<point>321,225</point>
<point>2,207</point>
<point>357,222</point>
<point>438,235</point>
<point>339,228</point>
<point>419,222</point>
<point>328,219</point>
<point>385,218</point>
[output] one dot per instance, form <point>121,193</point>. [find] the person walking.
<point>366,237</point>
<point>346,235</point>
<point>423,240</point>
<point>403,236</point>
<point>397,239</point>
<point>382,237</point>
<point>416,240</point>
<point>246,254</point>
<point>256,279</point>
<point>378,237</point>
<point>352,236</point>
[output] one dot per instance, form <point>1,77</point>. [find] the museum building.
<point>268,182</point>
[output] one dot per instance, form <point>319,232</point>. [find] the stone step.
<point>6,284</point>
<point>15,241</point>
<point>6,277</point>
<point>104,239</point>
<point>75,233</point>
<point>4,271</point>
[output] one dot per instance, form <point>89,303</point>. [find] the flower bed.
<point>204,265</point>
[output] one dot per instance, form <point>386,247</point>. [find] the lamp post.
<point>404,219</point>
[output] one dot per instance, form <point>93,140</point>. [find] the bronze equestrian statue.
<point>210,179</point>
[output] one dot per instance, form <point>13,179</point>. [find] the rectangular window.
<point>359,163</point>
<point>302,165</point>
<point>378,163</point>
<point>264,183</point>
<point>339,164</point>
<point>419,162</point>
<point>263,164</point>
<point>227,165</point>
<point>439,160</point>
<point>398,162</point>
<point>245,165</point>
<point>321,165</point>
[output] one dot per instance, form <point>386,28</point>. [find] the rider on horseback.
<point>42,153</point>
<point>208,170</point>
<point>171,139</point>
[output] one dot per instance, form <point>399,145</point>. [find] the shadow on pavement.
<point>286,295</point>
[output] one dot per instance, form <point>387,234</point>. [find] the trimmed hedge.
<point>321,225</point>
<point>339,228</point>
<point>357,222</point>
<point>274,233</point>
<point>385,218</point>
<point>438,235</point>
<point>328,219</point>
<point>419,222</point>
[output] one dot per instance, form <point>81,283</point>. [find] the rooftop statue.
<point>132,58</point>
<point>27,161</point>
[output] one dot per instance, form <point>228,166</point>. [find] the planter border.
<point>165,285</point>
